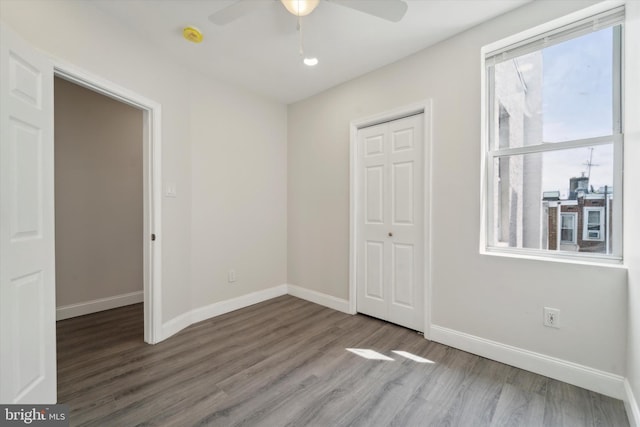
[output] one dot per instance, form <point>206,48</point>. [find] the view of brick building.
<point>581,222</point>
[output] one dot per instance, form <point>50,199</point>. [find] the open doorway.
<point>149,199</point>
<point>107,213</point>
<point>98,201</point>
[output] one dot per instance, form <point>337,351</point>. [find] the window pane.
<point>568,228</point>
<point>560,93</point>
<point>538,197</point>
<point>594,226</point>
<point>594,220</point>
<point>567,221</point>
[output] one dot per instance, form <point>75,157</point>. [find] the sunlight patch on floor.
<point>369,354</point>
<point>413,357</point>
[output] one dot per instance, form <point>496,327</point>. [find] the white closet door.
<point>373,222</point>
<point>390,283</point>
<point>27,265</point>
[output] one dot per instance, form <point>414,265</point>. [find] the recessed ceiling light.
<point>310,62</point>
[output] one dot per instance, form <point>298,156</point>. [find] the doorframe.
<point>152,193</point>
<point>424,107</point>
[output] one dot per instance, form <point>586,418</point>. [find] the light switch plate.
<point>171,190</point>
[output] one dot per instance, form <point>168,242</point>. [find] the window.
<point>568,228</point>
<point>593,224</point>
<point>553,140</point>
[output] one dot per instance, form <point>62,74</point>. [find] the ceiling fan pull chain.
<point>301,44</point>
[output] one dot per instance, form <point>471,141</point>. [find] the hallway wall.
<point>98,195</point>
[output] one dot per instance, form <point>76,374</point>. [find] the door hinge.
<point>153,237</point>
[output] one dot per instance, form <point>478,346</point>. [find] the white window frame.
<point>577,20</point>
<point>575,227</point>
<point>585,223</point>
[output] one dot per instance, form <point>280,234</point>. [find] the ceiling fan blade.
<point>236,11</point>
<point>391,10</point>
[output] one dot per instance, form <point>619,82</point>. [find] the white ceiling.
<point>260,50</point>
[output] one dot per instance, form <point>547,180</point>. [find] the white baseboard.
<point>199,314</point>
<point>222,307</point>
<point>100,304</point>
<point>631,405</point>
<point>180,322</point>
<point>569,372</point>
<point>174,326</point>
<point>330,301</point>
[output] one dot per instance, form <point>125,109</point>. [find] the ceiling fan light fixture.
<point>300,7</point>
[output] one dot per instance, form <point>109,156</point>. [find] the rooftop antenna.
<point>589,162</point>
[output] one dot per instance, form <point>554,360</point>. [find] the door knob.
<point>390,234</point>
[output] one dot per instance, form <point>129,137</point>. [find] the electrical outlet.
<point>231,276</point>
<point>551,317</point>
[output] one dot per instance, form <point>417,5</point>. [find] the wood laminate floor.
<point>285,362</point>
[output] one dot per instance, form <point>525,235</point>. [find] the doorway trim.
<point>152,194</point>
<point>354,186</point>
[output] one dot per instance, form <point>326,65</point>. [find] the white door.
<point>390,222</point>
<point>27,276</point>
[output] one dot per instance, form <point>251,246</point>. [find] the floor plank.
<point>285,362</point>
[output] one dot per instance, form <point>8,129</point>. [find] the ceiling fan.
<point>390,10</point>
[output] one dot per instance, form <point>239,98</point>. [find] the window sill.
<point>562,257</point>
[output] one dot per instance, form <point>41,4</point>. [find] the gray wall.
<point>496,298</point>
<point>239,193</point>
<point>98,195</point>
